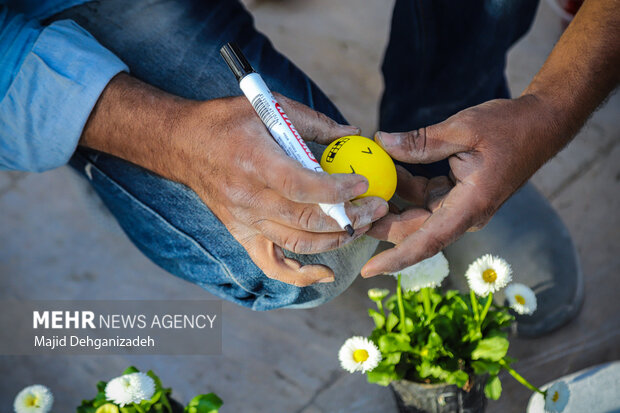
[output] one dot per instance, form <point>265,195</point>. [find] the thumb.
<point>312,125</point>
<point>425,145</point>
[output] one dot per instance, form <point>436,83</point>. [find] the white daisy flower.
<point>359,354</point>
<point>556,397</point>
<point>427,273</point>
<point>130,388</point>
<point>378,294</point>
<point>521,298</point>
<point>488,274</point>
<point>34,399</point>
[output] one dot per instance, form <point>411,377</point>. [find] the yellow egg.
<point>360,155</point>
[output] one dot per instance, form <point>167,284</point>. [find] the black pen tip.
<point>350,230</point>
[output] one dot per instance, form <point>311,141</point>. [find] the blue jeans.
<point>437,63</point>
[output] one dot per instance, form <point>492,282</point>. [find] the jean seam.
<point>169,224</point>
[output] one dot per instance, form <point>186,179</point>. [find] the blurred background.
<point>58,242</point>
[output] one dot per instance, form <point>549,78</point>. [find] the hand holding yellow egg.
<point>360,155</point>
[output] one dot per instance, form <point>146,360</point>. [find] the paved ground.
<point>56,243</point>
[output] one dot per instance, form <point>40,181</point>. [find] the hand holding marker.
<point>276,121</point>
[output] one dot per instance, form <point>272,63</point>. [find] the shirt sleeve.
<point>50,80</point>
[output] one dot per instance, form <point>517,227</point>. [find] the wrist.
<point>136,122</point>
<point>547,126</point>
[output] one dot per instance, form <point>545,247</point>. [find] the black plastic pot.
<point>176,406</point>
<point>415,397</point>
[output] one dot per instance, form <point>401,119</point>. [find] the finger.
<point>395,228</point>
<point>293,181</point>
<point>436,192</point>
<point>410,188</point>
<point>445,225</point>
<point>309,217</point>
<point>313,125</point>
<point>425,145</point>
<point>270,258</point>
<point>304,242</point>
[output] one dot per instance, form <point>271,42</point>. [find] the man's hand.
<point>221,150</point>
<point>492,148</point>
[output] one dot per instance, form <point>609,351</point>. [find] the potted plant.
<point>441,351</point>
<point>137,392</point>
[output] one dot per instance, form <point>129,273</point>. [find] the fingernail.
<point>367,274</point>
<point>351,130</point>
<point>386,139</point>
<point>359,188</point>
<point>326,280</point>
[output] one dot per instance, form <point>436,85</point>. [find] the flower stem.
<point>474,305</point>
<point>519,377</point>
<point>426,300</point>
<point>138,408</point>
<point>401,306</point>
<point>380,307</point>
<point>485,310</point>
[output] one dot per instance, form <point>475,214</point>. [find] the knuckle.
<point>290,187</point>
<point>297,244</point>
<point>415,142</point>
<point>307,218</point>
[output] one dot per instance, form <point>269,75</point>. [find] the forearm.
<point>139,123</point>
<point>582,69</point>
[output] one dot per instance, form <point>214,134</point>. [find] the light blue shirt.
<point>50,79</point>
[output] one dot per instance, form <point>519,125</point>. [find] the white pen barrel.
<point>285,134</point>
<point>276,121</point>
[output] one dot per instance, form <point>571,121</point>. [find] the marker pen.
<point>277,122</point>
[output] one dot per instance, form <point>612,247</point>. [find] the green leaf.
<point>435,341</point>
<point>458,377</point>
<point>383,374</point>
<point>392,358</point>
<point>204,403</point>
<point>165,403</point>
<point>130,369</point>
<point>493,348</point>
<point>391,322</point>
<point>392,342</point>
<point>482,367</point>
<point>377,317</point>
<point>156,379</point>
<point>493,388</point>
<point>426,369</point>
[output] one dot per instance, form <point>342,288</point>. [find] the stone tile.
<point>343,45</point>
<point>8,179</point>
<point>352,393</point>
<point>5,182</point>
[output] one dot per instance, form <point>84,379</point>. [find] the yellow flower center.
<point>555,397</point>
<point>31,401</point>
<point>360,355</point>
<point>489,275</point>
<point>424,352</point>
<point>520,299</point>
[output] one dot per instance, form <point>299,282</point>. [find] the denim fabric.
<point>444,56</point>
<point>166,220</point>
<point>175,45</point>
